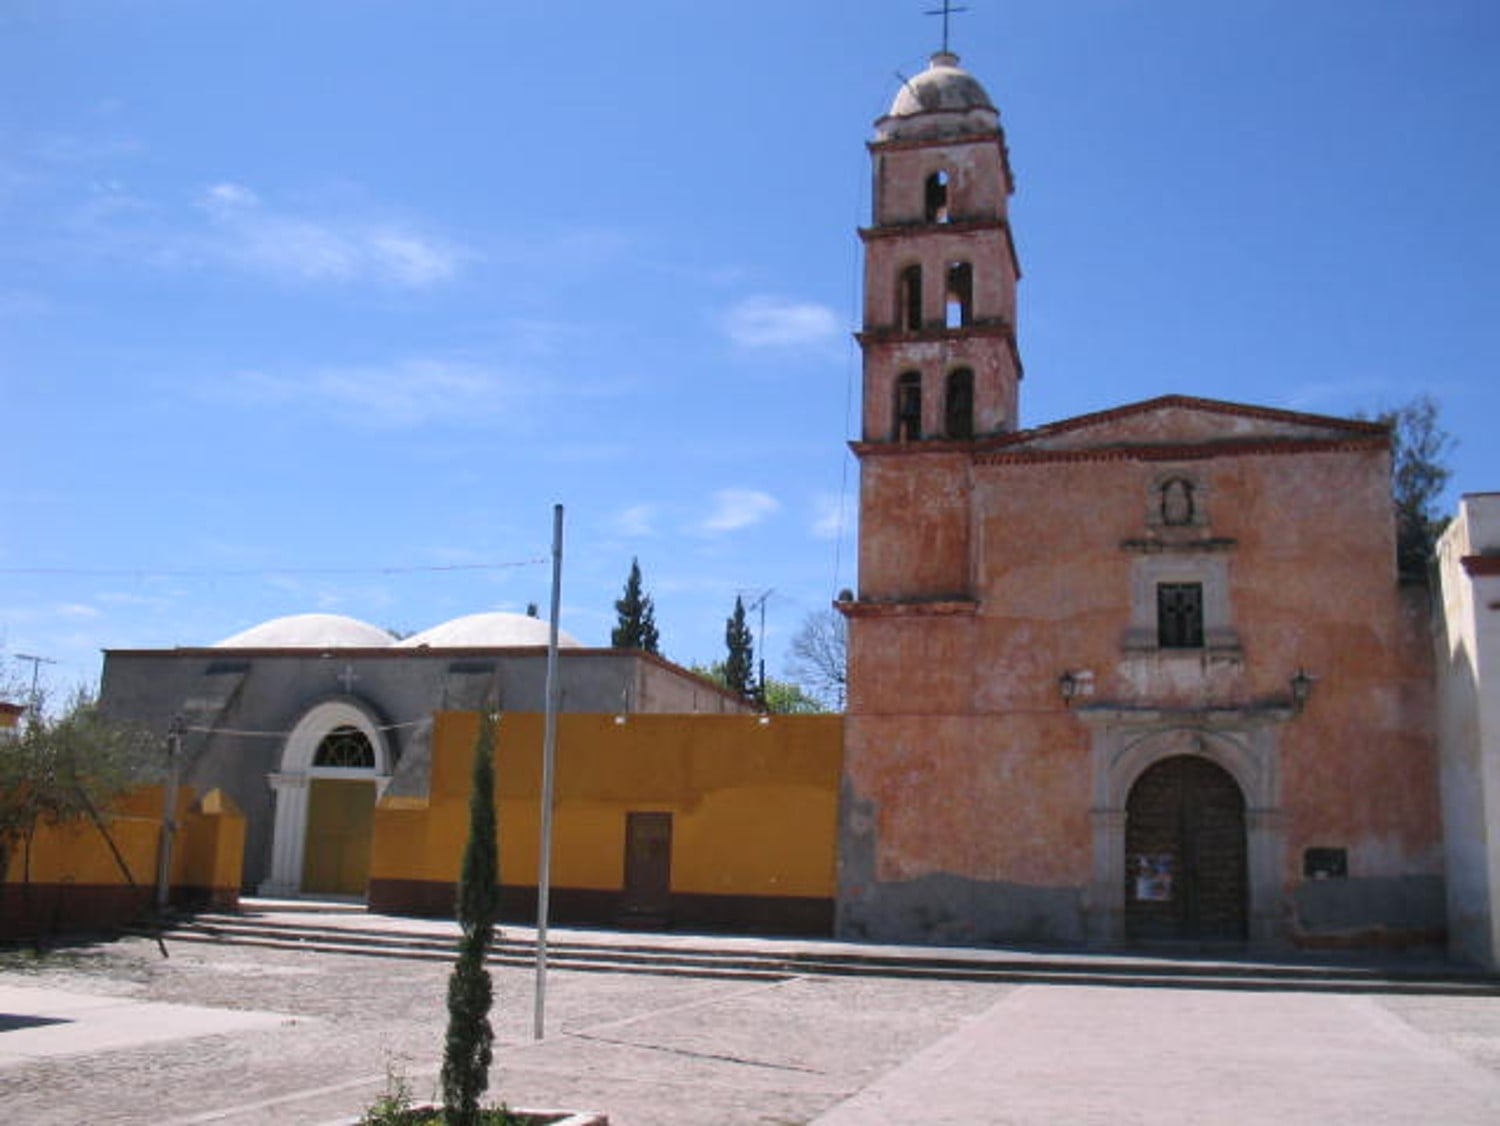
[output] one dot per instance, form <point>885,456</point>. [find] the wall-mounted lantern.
<point>1072,685</point>
<point>1302,686</point>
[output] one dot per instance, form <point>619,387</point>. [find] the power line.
<point>262,572</point>
<point>242,733</point>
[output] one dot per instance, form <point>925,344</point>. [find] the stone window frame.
<point>1211,572</point>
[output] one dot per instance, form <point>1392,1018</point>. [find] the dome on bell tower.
<point>943,101</point>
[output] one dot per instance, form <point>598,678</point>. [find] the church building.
<point>305,722</point>
<point>1145,674</point>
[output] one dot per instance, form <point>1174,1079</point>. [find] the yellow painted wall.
<point>207,859</point>
<point>211,847</point>
<point>754,804</point>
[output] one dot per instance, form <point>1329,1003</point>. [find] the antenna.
<point>759,603</point>
<point>945,11</point>
<point>36,668</point>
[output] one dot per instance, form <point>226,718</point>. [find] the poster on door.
<point>1152,873</point>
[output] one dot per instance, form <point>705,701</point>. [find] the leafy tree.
<point>782,696</point>
<point>468,1048</point>
<point>636,628</point>
<point>739,664</point>
<point>820,657</point>
<point>1419,473</point>
<point>785,698</point>
<point>68,768</point>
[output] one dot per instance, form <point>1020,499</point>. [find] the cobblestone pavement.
<point>649,1050</point>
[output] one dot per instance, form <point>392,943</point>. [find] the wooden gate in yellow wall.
<point>340,822</point>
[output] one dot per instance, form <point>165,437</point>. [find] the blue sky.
<point>321,306</point>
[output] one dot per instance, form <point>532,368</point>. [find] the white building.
<point>1468,636</point>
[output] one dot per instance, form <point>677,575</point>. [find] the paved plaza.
<point>239,1035</point>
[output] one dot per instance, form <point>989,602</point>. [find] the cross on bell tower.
<point>945,11</point>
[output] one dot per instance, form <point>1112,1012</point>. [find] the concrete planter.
<point>531,1117</point>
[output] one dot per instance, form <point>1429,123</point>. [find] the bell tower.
<point>941,365</point>
<point>940,266</point>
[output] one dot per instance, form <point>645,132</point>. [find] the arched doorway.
<point>1185,853</point>
<point>333,768</point>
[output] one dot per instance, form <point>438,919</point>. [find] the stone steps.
<point>350,931</point>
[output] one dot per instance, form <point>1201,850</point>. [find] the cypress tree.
<point>739,665</point>
<point>467,1049</point>
<point>636,625</point>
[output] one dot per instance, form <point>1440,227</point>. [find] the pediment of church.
<point>1179,420</point>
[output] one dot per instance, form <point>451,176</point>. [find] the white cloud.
<point>249,234</point>
<point>637,520</point>
<point>776,322</point>
<point>410,260</point>
<point>409,393</point>
<point>224,198</point>
<point>739,508</point>
<point>833,516</point>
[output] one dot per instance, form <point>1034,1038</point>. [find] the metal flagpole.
<point>549,760</point>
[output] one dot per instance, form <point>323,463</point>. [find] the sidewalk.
<point>1046,1055</point>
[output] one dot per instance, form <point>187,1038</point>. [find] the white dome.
<point>944,85</point>
<point>310,631</point>
<point>943,101</point>
<point>495,630</point>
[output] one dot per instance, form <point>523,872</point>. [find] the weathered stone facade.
<point>1044,616</point>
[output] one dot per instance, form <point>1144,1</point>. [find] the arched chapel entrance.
<point>1185,853</point>
<point>340,814</point>
<point>333,767</point>
<point>1202,794</point>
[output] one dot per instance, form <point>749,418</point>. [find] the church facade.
<point>1146,674</point>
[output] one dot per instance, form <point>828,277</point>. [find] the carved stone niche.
<point>1177,500</point>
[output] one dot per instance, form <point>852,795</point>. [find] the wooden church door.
<point>1185,853</point>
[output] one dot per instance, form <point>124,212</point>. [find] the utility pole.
<point>549,776</point>
<point>169,814</point>
<point>36,668</point>
<point>759,603</point>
